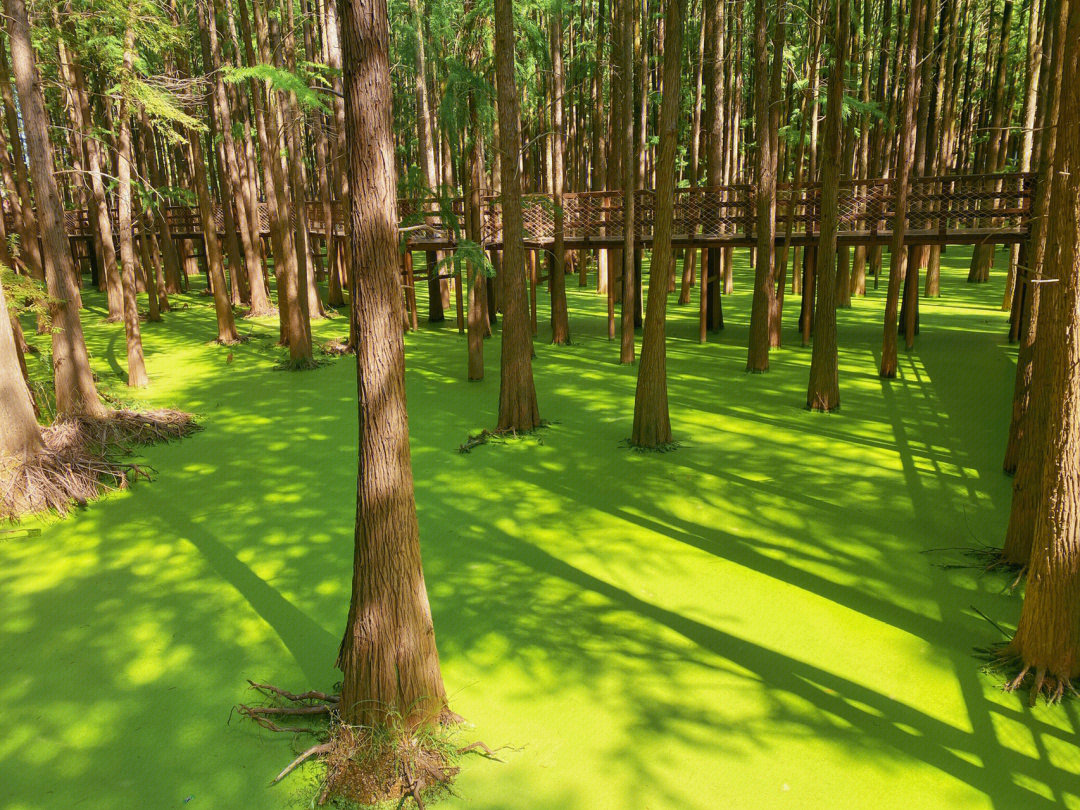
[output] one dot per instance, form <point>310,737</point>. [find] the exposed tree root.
<point>337,347</point>
<point>315,750</point>
<point>268,689</point>
<point>306,364</point>
<point>54,480</point>
<point>1003,660</point>
<point>265,313</point>
<point>78,464</point>
<point>665,447</point>
<point>485,436</point>
<point>368,765</point>
<point>122,429</point>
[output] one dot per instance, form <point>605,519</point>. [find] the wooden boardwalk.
<point>958,209</point>
<point>942,210</point>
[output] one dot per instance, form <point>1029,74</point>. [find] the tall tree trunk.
<point>652,423</point>
<point>75,391</point>
<point>905,161</point>
<point>136,365</point>
<point>388,654</point>
<point>1047,637</point>
<point>757,359</point>
<point>629,170</point>
<point>823,393</point>
<point>518,410</point>
<point>220,112</point>
<point>982,257</point>
<point>1030,418</point>
<point>778,268</point>
<point>28,219</point>
<point>560,319</point>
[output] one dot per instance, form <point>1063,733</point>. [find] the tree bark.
<point>1048,635</point>
<point>136,364</point>
<point>560,319</point>
<point>652,423</point>
<point>518,410</point>
<point>20,435</point>
<point>823,393</point>
<point>75,391</point>
<point>905,161</point>
<point>388,654</point>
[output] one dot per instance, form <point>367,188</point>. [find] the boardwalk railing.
<point>944,209</point>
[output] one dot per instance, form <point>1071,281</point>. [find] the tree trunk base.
<point>368,766</point>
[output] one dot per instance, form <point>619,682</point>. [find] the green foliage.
<point>25,295</point>
<point>284,81</point>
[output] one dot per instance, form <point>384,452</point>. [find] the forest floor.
<point>759,619</point>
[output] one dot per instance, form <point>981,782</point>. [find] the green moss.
<point>746,622</point>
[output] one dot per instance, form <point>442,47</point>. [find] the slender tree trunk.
<point>518,410</point>
<point>982,257</point>
<point>628,165</point>
<point>75,391</point>
<point>823,393</point>
<point>136,365</point>
<point>560,319</point>
<point>902,188</point>
<point>652,423</point>
<point>30,232</point>
<point>757,359</point>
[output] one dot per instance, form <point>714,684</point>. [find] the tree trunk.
<point>75,391</point>
<point>905,160</point>
<point>388,654</point>
<point>518,410</point>
<point>652,424</point>
<point>628,165</point>
<point>28,218</point>
<point>560,319</point>
<point>982,257</point>
<point>136,365</point>
<point>20,435</point>
<point>1047,637</point>
<point>823,393</point>
<point>757,359</point>
<point>1024,452</point>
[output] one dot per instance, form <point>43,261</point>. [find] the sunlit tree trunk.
<point>74,383</point>
<point>1047,637</point>
<point>518,410</point>
<point>388,654</point>
<point>823,393</point>
<point>652,423</point>
<point>905,160</point>
<point>136,365</point>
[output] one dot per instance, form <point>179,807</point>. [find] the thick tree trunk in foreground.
<point>518,410</point>
<point>652,423</point>
<point>20,434</point>
<point>823,393</point>
<point>1048,636</point>
<point>1024,452</point>
<point>388,654</point>
<point>75,391</point>
<point>905,161</point>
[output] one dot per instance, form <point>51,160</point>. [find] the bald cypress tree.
<point>388,655</point>
<point>1047,640</point>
